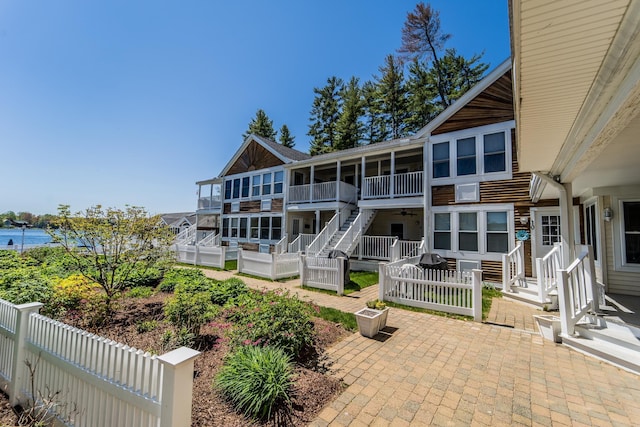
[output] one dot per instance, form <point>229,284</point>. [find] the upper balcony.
<point>323,192</point>
<point>209,196</point>
<point>408,184</point>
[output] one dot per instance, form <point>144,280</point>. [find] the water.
<point>32,236</point>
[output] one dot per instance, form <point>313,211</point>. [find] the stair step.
<point>623,357</point>
<point>611,333</point>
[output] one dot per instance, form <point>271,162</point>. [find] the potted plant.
<point>549,327</point>
<point>372,318</point>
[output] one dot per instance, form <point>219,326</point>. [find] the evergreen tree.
<point>349,129</point>
<point>261,125</point>
<point>421,97</point>
<point>324,116</point>
<point>286,138</point>
<point>460,74</point>
<point>393,96</point>
<point>375,129</point>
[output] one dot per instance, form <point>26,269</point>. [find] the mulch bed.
<point>313,388</point>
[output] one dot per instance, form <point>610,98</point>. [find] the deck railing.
<point>301,242</point>
<point>351,236</point>
<point>404,185</point>
<point>375,247</point>
<point>547,271</point>
<point>322,192</point>
<point>97,382</point>
<point>457,292</point>
<point>578,290</point>
<point>188,236</point>
<point>513,268</point>
<point>210,240</point>
<point>209,202</point>
<point>324,236</point>
<point>281,246</point>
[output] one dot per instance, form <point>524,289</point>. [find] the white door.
<point>546,232</point>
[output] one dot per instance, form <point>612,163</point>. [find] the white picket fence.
<point>322,273</point>
<point>271,266</point>
<point>455,292</point>
<point>99,382</point>
<point>210,256</point>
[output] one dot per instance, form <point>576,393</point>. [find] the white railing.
<point>210,240</point>
<point>547,272</point>
<point>281,246</point>
<point>455,292</point>
<point>210,256</point>
<point>272,266</point>
<point>300,243</point>
<point>209,202</point>
<point>404,184</point>
<point>324,236</point>
<point>96,381</point>
<point>578,290</point>
<point>322,192</point>
<point>375,247</point>
<point>513,268</point>
<point>323,273</point>
<point>406,249</point>
<point>351,236</point>
<point>188,236</point>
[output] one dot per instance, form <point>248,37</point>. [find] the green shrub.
<point>143,277</point>
<point>9,260</point>
<point>191,306</point>
<point>177,276</point>
<point>140,292</point>
<point>25,284</point>
<point>273,319</point>
<point>257,380</point>
<point>146,326</point>
<point>227,290</point>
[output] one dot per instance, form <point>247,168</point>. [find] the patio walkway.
<point>430,370</point>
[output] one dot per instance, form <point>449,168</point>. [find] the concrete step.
<point>613,333</point>
<point>625,358</point>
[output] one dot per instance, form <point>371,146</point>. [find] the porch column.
<point>392,175</point>
<point>356,178</point>
<point>317,221</point>
<point>338,166</point>
<point>312,178</point>
<point>362,178</point>
<point>426,213</point>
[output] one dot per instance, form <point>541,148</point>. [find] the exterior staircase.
<point>527,291</point>
<point>331,244</point>
<point>346,238</point>
<point>187,237</point>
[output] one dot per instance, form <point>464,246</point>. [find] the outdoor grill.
<point>433,262</point>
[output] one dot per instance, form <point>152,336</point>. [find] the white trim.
<point>595,202</point>
<point>618,232</point>
<point>258,172</point>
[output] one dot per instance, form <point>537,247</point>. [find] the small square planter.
<point>549,327</point>
<point>369,321</point>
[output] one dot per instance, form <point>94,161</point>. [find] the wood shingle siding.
<point>253,206</point>
<point>254,157</point>
<point>493,105</point>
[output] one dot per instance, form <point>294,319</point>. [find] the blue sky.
<point>131,102</point>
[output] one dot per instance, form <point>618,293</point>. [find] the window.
<point>497,232</point>
<point>245,186</point>
<point>466,156</point>
<point>264,228</point>
<point>234,227</point>
<point>468,234</point>
<point>276,228</point>
<point>441,160</point>
<point>236,188</point>
<point>254,228</point>
<point>256,186</point>
<point>227,189</point>
<point>266,184</point>
<point>225,227</point>
<point>278,178</point>
<point>550,229</point>
<point>631,227</point>
<point>442,231</point>
<point>243,228</point>
<point>494,153</point>
<point>590,229</point>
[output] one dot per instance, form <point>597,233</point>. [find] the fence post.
<point>382,269</point>
<point>340,284</point>
<point>272,267</point>
<point>22,328</point>
<point>177,387</point>
<point>541,278</point>
<point>592,283</point>
<point>564,302</point>
<point>223,256</point>
<point>477,294</point>
<point>196,255</point>
<point>301,263</point>
<point>239,257</point>
<point>395,250</point>
<point>506,279</point>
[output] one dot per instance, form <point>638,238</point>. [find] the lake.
<point>32,236</point>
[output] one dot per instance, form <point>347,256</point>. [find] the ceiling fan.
<point>404,212</point>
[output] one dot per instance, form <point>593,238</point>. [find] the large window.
<point>254,185</point>
<point>266,184</point>
<point>255,228</point>
<point>245,186</point>
<point>441,160</point>
<point>550,229</point>
<point>236,188</point>
<point>252,227</point>
<point>468,234</point>
<point>227,189</point>
<point>494,153</point>
<point>442,231</point>
<point>278,178</point>
<point>466,149</point>
<point>631,228</point>
<point>497,232</point>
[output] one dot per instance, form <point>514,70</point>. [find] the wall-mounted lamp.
<point>524,220</point>
<point>608,214</point>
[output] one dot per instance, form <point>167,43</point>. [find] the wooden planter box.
<point>549,327</point>
<point>370,321</point>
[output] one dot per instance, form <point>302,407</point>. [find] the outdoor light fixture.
<point>524,220</point>
<point>608,214</point>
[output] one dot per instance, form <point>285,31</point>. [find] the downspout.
<point>566,217</point>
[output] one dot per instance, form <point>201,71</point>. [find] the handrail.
<point>513,267</point>
<point>351,236</point>
<point>211,240</point>
<point>300,242</point>
<point>187,236</point>
<point>281,246</point>
<point>546,271</point>
<point>324,236</point>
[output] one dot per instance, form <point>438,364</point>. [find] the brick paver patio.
<point>430,370</point>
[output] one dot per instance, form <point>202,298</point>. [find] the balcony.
<point>323,192</point>
<point>209,203</point>
<point>408,184</point>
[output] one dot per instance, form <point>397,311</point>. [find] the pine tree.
<point>349,128</point>
<point>421,97</point>
<point>461,74</point>
<point>375,129</point>
<point>324,116</point>
<point>393,96</point>
<point>261,125</point>
<point>286,138</point>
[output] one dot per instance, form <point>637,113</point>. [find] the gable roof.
<point>465,99</point>
<point>284,154</point>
